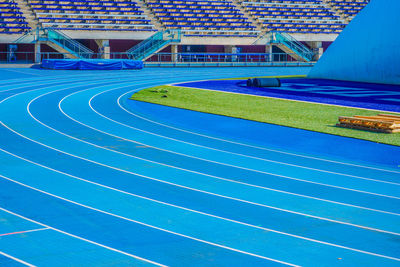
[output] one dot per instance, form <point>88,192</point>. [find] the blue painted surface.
<point>351,94</point>
<point>46,247</point>
<point>306,142</point>
<point>367,49</point>
<point>5,261</point>
<point>180,198</point>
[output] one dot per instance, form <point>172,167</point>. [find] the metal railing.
<point>154,43</point>
<point>294,45</point>
<point>67,42</point>
<point>72,46</point>
<point>221,57</point>
<point>165,58</point>
<point>17,57</point>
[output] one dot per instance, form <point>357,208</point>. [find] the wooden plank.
<point>382,123</point>
<point>397,117</point>
<point>357,127</point>
<point>365,122</point>
<point>378,118</point>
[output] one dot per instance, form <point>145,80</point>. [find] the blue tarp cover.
<point>91,64</point>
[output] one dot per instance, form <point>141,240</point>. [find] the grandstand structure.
<point>12,19</point>
<point>105,27</point>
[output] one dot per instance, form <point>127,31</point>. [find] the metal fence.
<point>172,59</point>
<point>221,57</point>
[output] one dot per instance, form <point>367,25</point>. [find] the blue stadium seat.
<point>12,20</point>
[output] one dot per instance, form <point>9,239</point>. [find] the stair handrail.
<point>295,45</point>
<point>154,42</point>
<point>26,35</point>
<point>142,46</point>
<point>266,36</point>
<point>67,42</point>
<point>294,42</point>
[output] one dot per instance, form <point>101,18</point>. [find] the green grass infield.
<point>303,115</point>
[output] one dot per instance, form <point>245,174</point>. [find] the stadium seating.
<point>202,17</point>
<point>348,8</point>
<point>12,20</point>
<point>193,17</point>
<point>299,16</point>
<point>118,15</point>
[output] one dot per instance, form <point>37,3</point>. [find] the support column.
<point>38,57</point>
<point>230,49</point>
<point>317,47</point>
<point>174,52</point>
<point>104,48</point>
<point>268,50</point>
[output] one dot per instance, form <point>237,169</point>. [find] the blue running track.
<point>90,178</point>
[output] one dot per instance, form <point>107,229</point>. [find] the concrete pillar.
<point>268,50</point>
<point>107,52</point>
<point>174,52</point>
<point>230,49</point>
<point>104,48</point>
<point>317,48</point>
<point>38,57</point>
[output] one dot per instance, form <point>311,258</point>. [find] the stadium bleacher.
<point>12,20</point>
<point>248,18</point>
<point>202,17</point>
<point>348,8</point>
<point>117,15</point>
<point>295,16</point>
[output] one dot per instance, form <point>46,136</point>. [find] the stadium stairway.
<point>146,11</point>
<point>58,41</point>
<point>263,39</point>
<point>153,44</point>
<point>29,15</point>
<point>253,20</point>
<point>291,46</point>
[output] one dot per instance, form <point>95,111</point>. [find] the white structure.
<point>368,49</point>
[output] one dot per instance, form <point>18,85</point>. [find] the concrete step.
<point>153,19</point>
<point>334,9</point>
<point>28,13</point>
<point>253,20</point>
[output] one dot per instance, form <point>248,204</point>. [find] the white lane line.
<point>46,85</point>
<point>68,79</point>
<point>25,73</point>
<point>162,181</point>
<point>228,152</point>
<point>223,151</point>
<point>247,145</point>
<point>54,84</point>
<point>16,259</point>
<point>44,81</point>
<point>194,211</point>
<point>24,232</point>
<point>149,225</point>
<point>208,175</point>
<point>77,76</point>
<point>205,192</point>
<point>80,238</point>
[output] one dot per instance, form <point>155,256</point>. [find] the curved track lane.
<point>84,167</point>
